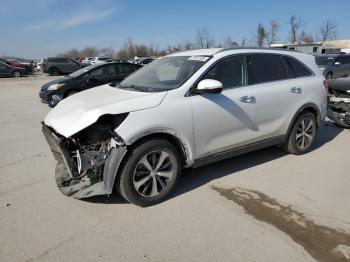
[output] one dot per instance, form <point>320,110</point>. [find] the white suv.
<point>183,110</point>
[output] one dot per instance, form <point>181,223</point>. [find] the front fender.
<point>170,133</point>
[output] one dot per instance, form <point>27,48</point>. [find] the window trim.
<point>190,91</point>
<point>283,62</point>
<point>312,73</point>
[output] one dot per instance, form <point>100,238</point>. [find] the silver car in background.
<point>334,66</point>
<point>183,110</point>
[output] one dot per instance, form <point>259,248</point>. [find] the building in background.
<point>329,47</point>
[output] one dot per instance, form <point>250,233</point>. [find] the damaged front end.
<point>87,162</point>
<point>339,101</point>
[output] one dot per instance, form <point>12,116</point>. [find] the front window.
<point>82,71</point>
<point>164,74</point>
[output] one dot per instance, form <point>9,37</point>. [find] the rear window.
<point>296,68</point>
<point>265,68</point>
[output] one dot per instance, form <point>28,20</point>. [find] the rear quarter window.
<point>296,68</point>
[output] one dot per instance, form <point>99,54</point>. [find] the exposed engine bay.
<point>84,160</point>
<point>339,101</point>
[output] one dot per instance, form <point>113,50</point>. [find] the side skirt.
<point>238,151</point>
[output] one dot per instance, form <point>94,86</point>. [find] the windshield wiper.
<point>131,87</point>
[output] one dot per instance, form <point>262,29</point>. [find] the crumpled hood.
<point>83,109</point>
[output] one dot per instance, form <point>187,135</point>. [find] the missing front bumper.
<point>82,186</point>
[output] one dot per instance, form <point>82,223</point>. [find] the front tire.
<point>16,74</point>
<point>149,173</point>
<point>302,134</point>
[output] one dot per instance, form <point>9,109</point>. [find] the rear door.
<point>278,95</point>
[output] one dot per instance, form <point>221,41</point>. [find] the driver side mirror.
<point>209,86</point>
<point>337,63</point>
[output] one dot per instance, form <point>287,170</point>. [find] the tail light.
<point>325,84</point>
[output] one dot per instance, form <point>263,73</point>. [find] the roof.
<point>213,51</point>
<point>198,52</point>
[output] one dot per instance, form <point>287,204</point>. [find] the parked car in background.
<point>183,110</point>
<point>59,65</point>
<point>323,60</point>
<point>338,66</point>
<point>91,76</point>
<point>87,60</point>
<point>27,66</point>
<point>9,70</point>
<point>38,65</point>
<point>99,60</point>
<point>144,60</point>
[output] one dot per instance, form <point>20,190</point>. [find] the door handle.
<point>296,90</point>
<point>248,99</point>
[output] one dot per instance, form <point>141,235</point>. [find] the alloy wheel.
<point>153,173</point>
<point>16,74</point>
<point>305,133</point>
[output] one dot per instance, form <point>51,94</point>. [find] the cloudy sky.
<point>40,28</point>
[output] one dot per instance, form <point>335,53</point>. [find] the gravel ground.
<point>262,206</point>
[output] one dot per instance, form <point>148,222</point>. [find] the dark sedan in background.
<point>8,70</point>
<point>88,77</point>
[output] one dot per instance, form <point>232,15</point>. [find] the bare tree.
<point>243,42</point>
<point>229,43</point>
<point>203,38</point>
<point>70,53</point>
<point>188,45</point>
<point>272,33</point>
<point>328,31</point>
<point>295,24</point>
<point>89,51</point>
<point>107,51</point>
<point>306,38</point>
<point>261,35</point>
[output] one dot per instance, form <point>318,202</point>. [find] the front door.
<point>226,120</point>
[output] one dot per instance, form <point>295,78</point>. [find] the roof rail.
<point>259,48</point>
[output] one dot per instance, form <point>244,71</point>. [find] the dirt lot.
<point>263,206</point>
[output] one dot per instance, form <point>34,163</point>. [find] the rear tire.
<point>302,135</point>
<point>149,173</point>
<point>329,75</point>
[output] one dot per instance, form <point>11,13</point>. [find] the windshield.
<point>323,60</point>
<point>82,71</point>
<point>164,74</point>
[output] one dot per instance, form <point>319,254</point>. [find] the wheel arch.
<point>170,135</point>
<point>311,107</point>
